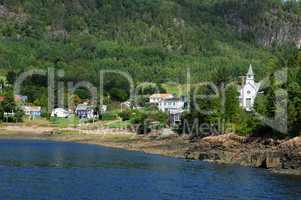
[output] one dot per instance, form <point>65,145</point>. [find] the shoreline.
<point>174,146</point>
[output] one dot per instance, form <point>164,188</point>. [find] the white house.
<point>60,113</point>
<point>174,103</point>
<point>174,107</point>
<point>249,91</point>
<point>157,98</point>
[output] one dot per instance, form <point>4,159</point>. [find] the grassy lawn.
<point>119,124</point>
<point>65,122</point>
<point>178,89</point>
<point>39,122</point>
<point>111,115</point>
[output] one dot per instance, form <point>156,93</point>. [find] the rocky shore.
<point>279,156</point>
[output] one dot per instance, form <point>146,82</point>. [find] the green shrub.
<point>109,116</point>
<point>125,115</point>
<point>159,117</point>
<point>64,122</point>
<point>138,117</point>
<point>120,124</point>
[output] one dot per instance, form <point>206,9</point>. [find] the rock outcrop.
<point>269,22</point>
<point>8,14</point>
<point>282,156</point>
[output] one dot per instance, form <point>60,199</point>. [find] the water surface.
<point>37,170</point>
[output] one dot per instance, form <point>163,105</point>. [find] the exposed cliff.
<point>267,22</point>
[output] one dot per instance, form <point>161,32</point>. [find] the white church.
<point>249,91</point>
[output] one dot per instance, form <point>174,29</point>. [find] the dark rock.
<point>233,149</point>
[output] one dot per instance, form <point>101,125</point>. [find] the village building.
<point>20,99</point>
<point>60,113</point>
<point>9,115</point>
<point>85,111</point>
<point>249,91</point>
<point>130,104</point>
<point>174,107</point>
<point>157,98</point>
<point>174,103</point>
<point>32,111</point>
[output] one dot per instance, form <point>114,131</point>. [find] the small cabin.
<point>32,111</point>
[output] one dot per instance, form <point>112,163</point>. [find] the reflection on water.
<point>51,170</point>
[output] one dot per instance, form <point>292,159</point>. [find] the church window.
<point>248,103</point>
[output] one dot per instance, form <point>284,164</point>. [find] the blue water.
<point>37,170</point>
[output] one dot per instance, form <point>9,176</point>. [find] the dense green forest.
<point>153,40</point>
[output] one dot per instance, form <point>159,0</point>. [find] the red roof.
<point>2,98</point>
<point>163,95</point>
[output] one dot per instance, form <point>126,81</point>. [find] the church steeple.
<point>248,91</point>
<point>250,71</point>
<point>250,75</point>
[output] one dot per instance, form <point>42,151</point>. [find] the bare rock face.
<point>8,14</point>
<point>4,11</point>
<point>233,149</point>
<point>268,26</point>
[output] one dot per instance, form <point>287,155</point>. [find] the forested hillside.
<point>154,40</point>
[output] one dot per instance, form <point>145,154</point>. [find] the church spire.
<point>250,72</point>
<point>250,75</point>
